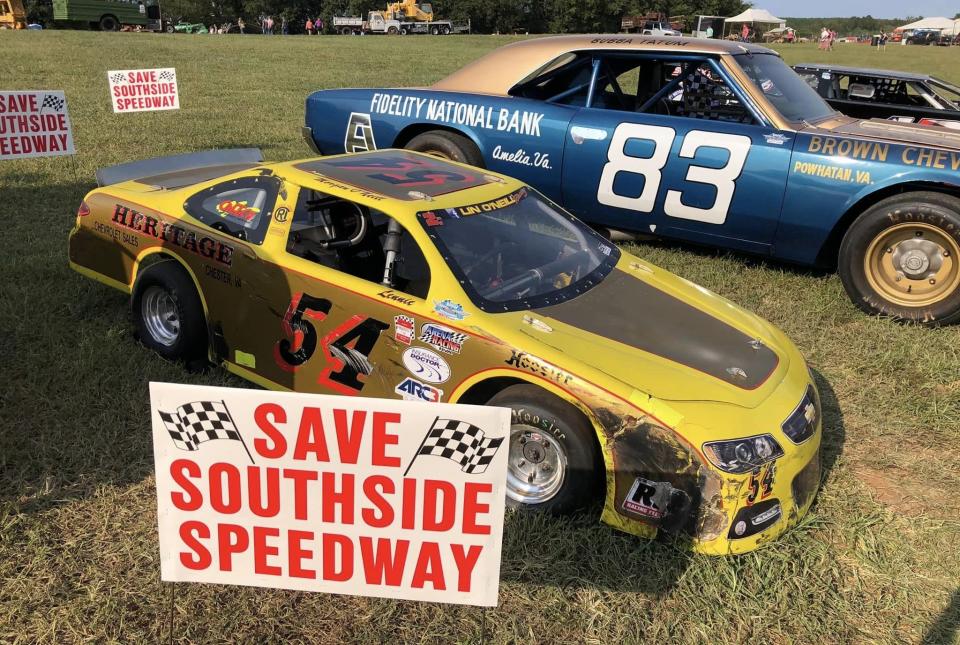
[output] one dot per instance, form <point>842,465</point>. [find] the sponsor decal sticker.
<point>404,328</point>
<point>776,138</point>
<point>489,206</point>
<point>413,390</point>
<point>527,362</point>
<point>449,309</point>
<point>643,499</point>
<point>426,364</point>
<point>442,338</point>
<point>239,210</point>
<point>281,214</point>
<point>523,122</point>
<point>148,226</point>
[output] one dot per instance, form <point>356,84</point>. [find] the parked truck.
<point>405,17</point>
<point>108,15</point>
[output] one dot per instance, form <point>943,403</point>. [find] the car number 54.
<point>723,178</point>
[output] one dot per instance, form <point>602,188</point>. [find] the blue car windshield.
<point>519,251</point>
<point>783,87</point>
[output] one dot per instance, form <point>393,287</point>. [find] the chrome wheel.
<point>536,465</point>
<point>160,316</point>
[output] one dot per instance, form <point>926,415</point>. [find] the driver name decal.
<point>458,113</point>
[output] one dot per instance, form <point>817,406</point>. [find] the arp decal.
<point>527,362</point>
<point>760,485</point>
<point>449,309</point>
<point>413,390</point>
<point>148,226</point>
<point>426,364</point>
<point>442,338</point>
<point>359,136</point>
<point>346,348</point>
<point>404,328</point>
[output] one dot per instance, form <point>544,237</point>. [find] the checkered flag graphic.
<point>119,77</point>
<point>194,423</point>
<point>167,75</point>
<point>52,101</point>
<point>461,442</point>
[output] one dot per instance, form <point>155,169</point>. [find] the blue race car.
<point>712,142</point>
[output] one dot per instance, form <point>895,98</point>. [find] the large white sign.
<point>34,124</point>
<point>144,90</point>
<point>372,497</point>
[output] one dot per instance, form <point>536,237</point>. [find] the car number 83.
<point>723,178</point>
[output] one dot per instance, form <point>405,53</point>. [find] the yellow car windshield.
<point>519,251</point>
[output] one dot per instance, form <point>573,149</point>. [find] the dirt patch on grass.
<point>902,491</point>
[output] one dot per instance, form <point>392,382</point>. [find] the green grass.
<point>876,560</point>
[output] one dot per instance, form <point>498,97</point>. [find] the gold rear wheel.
<point>913,264</point>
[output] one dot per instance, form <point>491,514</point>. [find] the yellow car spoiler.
<point>176,171</point>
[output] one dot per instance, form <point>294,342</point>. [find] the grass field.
<point>875,562</point>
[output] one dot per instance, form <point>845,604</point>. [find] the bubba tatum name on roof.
<point>458,113</point>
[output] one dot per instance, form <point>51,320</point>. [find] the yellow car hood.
<point>668,338</point>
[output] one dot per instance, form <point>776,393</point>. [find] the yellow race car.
<point>395,274</point>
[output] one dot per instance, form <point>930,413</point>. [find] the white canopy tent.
<point>945,25</point>
<point>755,16</point>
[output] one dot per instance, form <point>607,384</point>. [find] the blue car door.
<point>669,146</point>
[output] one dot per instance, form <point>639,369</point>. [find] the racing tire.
<point>554,461</point>
<point>167,313</point>
<point>447,145</point>
<point>901,258</point>
<point>109,23</point>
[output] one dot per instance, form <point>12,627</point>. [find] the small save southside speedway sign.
<point>144,90</point>
<point>34,124</point>
<point>371,497</point>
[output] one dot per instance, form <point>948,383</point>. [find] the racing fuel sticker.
<point>426,364</point>
<point>525,122</point>
<point>646,498</point>
<point>413,390</point>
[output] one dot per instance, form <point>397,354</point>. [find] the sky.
<point>845,8</point>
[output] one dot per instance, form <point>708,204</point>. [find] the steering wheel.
<point>363,224</point>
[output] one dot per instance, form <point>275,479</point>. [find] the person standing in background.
<point>318,25</point>
<point>309,27</point>
<point>241,25</point>
<point>882,41</point>
<point>284,27</point>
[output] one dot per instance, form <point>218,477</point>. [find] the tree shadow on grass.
<point>946,628</point>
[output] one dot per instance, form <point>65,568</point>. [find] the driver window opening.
<point>354,239</point>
